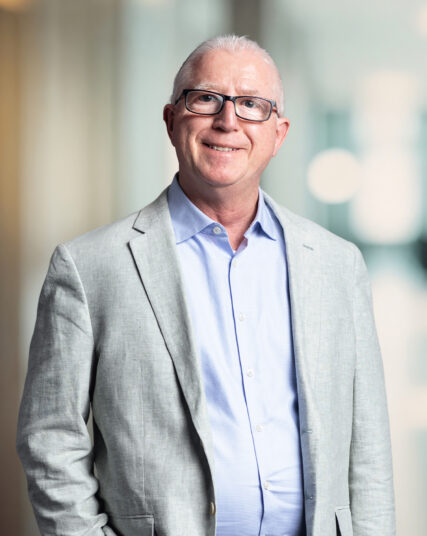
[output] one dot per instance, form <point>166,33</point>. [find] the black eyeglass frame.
<point>273,104</point>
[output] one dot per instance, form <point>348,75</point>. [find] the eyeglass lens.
<point>205,102</point>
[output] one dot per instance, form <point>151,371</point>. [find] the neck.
<point>231,207</point>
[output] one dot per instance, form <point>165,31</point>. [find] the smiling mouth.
<point>221,148</point>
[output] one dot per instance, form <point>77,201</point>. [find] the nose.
<point>226,120</point>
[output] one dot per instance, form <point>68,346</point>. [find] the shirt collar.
<point>188,220</point>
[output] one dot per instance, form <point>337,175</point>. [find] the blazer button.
<point>212,508</point>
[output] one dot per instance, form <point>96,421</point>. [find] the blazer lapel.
<point>305,289</point>
<point>154,253</point>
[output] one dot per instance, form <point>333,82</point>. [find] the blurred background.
<point>82,87</point>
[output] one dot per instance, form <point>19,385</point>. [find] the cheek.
<point>185,147</point>
<point>264,138</point>
<point>266,146</point>
<point>180,140</point>
<point>274,141</point>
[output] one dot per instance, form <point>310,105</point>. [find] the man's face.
<point>197,139</point>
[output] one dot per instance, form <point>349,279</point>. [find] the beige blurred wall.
<point>57,169</point>
<point>10,233</point>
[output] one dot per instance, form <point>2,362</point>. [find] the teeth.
<point>217,148</point>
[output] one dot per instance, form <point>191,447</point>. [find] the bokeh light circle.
<point>334,176</point>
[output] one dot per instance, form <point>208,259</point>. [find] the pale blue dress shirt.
<point>240,313</point>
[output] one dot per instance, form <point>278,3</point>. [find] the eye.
<point>206,98</point>
<point>250,103</point>
<point>203,102</point>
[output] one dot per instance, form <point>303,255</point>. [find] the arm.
<point>370,474</point>
<point>53,440</point>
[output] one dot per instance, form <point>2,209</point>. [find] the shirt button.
<point>266,485</point>
<point>212,508</point>
<point>217,230</point>
<point>250,373</point>
<point>259,428</point>
<point>241,317</point>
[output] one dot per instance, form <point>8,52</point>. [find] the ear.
<point>169,119</point>
<point>282,127</point>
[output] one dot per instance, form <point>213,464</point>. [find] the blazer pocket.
<point>139,525</point>
<point>344,524</point>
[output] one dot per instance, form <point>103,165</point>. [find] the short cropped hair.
<point>232,43</point>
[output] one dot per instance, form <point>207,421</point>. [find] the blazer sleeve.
<point>370,473</point>
<point>53,441</point>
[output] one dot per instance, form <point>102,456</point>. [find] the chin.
<point>222,177</point>
<point>221,181</point>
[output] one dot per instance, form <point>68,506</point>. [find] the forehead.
<point>242,72</point>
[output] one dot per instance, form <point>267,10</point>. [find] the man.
<point>226,347</point>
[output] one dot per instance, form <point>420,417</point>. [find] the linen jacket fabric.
<point>113,335</point>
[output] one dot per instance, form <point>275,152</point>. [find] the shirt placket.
<point>245,328</point>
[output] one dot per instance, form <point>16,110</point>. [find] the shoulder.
<point>107,237</point>
<point>315,253</point>
<point>113,237</point>
<point>334,252</point>
<point>105,250</point>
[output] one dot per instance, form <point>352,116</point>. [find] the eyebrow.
<point>213,87</point>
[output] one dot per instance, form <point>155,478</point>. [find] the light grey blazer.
<point>113,334</point>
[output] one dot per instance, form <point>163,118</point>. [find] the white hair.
<point>231,43</point>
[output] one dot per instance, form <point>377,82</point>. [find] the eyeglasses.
<point>199,101</point>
